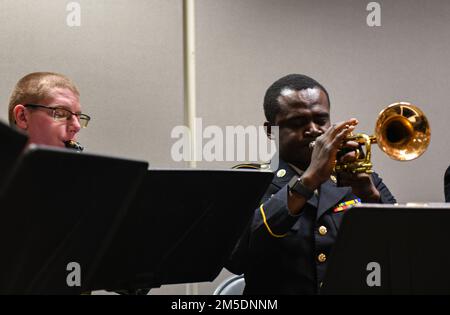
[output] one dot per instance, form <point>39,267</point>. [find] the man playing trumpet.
<point>286,246</point>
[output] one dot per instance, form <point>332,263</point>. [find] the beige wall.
<point>243,46</point>
<point>127,60</point>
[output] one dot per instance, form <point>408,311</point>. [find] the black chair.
<point>233,285</point>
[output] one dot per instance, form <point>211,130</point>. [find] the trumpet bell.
<point>402,131</point>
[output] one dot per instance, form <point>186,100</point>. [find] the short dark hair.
<point>292,81</point>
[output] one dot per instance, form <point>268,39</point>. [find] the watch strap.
<point>296,185</point>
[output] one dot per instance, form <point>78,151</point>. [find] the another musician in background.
<point>286,247</point>
<point>447,185</point>
<point>46,106</point>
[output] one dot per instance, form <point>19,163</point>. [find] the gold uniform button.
<point>323,230</point>
<point>281,173</point>
<point>322,257</point>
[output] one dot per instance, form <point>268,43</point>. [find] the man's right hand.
<point>324,153</point>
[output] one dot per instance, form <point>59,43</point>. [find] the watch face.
<point>296,185</point>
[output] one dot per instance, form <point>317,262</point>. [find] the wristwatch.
<point>296,185</point>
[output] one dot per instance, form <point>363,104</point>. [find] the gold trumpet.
<point>402,131</point>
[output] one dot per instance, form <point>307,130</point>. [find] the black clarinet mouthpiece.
<point>74,145</point>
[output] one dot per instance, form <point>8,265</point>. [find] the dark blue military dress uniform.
<point>284,254</point>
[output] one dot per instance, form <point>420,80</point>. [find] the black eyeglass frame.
<point>82,118</point>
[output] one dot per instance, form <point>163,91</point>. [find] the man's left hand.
<point>361,183</point>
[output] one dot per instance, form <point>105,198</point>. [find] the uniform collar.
<point>283,175</point>
<point>296,169</point>
<point>330,194</point>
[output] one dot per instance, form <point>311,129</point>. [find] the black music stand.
<point>127,227</point>
<point>409,243</point>
<point>60,207</point>
<point>447,185</point>
<point>181,228</point>
<point>12,143</point>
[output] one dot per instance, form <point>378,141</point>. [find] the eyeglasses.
<point>60,114</point>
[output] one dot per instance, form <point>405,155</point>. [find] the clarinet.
<point>74,145</point>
